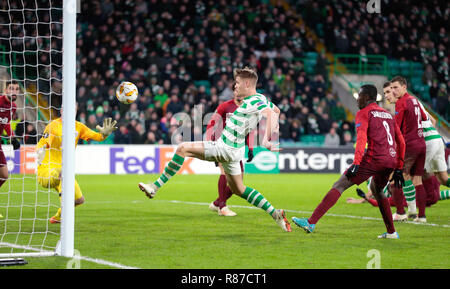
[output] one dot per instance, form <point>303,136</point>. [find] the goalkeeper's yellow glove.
<point>40,155</point>
<point>108,127</point>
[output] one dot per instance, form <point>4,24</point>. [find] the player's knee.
<point>79,201</point>
<point>340,185</point>
<point>181,149</point>
<point>4,174</point>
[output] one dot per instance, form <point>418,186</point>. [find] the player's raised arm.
<point>274,108</point>
<point>271,128</point>
<point>104,131</point>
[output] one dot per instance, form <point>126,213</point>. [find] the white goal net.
<point>30,54</point>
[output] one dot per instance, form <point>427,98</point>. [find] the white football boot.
<point>225,211</point>
<point>213,207</point>
<point>280,217</point>
<point>420,220</point>
<point>148,189</point>
<point>399,217</point>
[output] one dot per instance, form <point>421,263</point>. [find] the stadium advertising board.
<point>264,162</point>
<point>315,160</point>
<point>150,159</point>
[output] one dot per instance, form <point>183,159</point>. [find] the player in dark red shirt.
<point>384,155</point>
<point>409,116</point>
<point>7,110</point>
<point>213,132</point>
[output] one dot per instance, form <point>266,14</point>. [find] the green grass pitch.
<point>176,230</point>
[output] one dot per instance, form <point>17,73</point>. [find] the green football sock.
<point>444,195</point>
<point>256,199</point>
<point>409,191</point>
<point>448,183</point>
<point>386,192</point>
<point>170,170</point>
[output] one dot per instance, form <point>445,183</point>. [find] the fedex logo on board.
<point>143,160</point>
<point>136,161</point>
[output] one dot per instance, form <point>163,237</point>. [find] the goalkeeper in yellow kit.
<point>49,155</point>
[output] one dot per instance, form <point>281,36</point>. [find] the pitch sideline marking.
<point>104,262</point>
<point>290,211</point>
<point>75,257</point>
<point>305,212</point>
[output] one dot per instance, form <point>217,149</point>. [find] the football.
<point>126,92</point>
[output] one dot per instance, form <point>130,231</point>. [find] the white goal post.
<point>68,116</point>
<point>33,37</point>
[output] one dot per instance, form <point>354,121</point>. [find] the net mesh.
<point>30,53</point>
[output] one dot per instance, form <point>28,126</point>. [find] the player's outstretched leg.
<point>186,149</point>
<point>384,207</point>
<point>328,201</point>
<point>399,202</point>
<point>255,198</point>
<point>172,167</point>
<point>409,190</point>
<point>220,204</point>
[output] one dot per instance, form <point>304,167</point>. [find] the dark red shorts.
<point>366,170</point>
<point>415,162</point>
<point>2,157</point>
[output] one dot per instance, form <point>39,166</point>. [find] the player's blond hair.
<point>246,73</point>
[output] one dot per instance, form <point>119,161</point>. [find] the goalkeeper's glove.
<point>15,143</point>
<point>40,152</point>
<point>249,155</point>
<point>398,179</point>
<point>352,171</point>
<point>108,127</point>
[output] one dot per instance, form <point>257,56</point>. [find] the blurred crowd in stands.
<point>181,55</point>
<point>407,30</point>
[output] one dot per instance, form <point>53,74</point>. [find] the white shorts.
<point>230,158</point>
<point>435,158</point>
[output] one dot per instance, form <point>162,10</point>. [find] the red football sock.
<point>222,185</point>
<point>421,200</point>
<point>397,196</point>
<point>373,202</point>
<point>385,210</point>
<point>226,195</point>
<point>224,192</point>
<point>391,201</point>
<point>328,201</point>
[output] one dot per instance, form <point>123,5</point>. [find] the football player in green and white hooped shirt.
<point>435,155</point>
<point>230,148</point>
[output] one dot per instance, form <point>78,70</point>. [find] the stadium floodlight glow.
<point>379,97</point>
